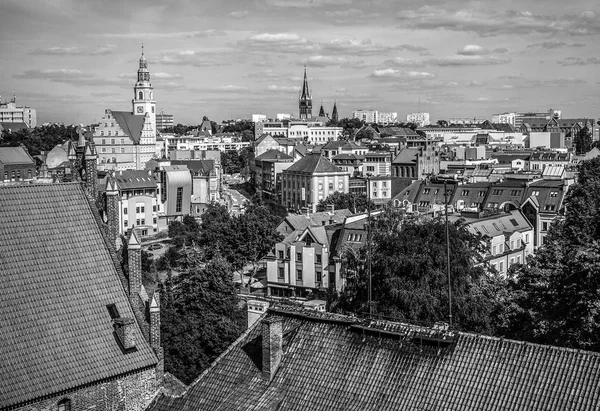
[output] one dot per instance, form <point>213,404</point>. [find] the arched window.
<point>64,405</point>
<point>140,95</point>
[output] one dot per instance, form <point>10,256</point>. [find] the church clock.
<point>140,109</point>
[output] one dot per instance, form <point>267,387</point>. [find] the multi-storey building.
<point>10,113</point>
<point>377,163</point>
<point>504,118</point>
<point>164,121</point>
<point>267,173</point>
<point>310,180</point>
<point>310,132</point>
<point>175,191</point>
<point>416,162</point>
<point>138,201</point>
<point>127,140</point>
<point>374,116</point>
<point>421,119</point>
<point>509,237</point>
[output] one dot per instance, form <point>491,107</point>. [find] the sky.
<point>72,59</point>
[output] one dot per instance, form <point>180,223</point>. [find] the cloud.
<point>166,76</point>
<point>303,4</point>
<point>390,73</point>
<point>239,14</point>
<point>578,61</point>
<point>231,87</point>
<point>170,34</point>
<point>329,61</point>
<point>421,84</point>
<point>196,58</point>
<point>490,22</point>
<point>77,51</point>
<point>469,60</point>
<point>475,83</point>
<point>278,42</point>
<point>52,74</point>
<point>364,47</point>
<point>403,62</point>
<point>554,44</point>
<point>511,76</point>
<point>283,89</point>
<point>472,50</point>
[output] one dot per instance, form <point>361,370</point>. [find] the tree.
<point>200,317</point>
<point>41,138</point>
<point>442,123</point>
<point>555,297</point>
<point>583,141</point>
<point>409,278</point>
<point>351,201</point>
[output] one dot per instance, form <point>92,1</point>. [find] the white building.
<point>369,116</point>
<point>10,113</point>
<point>421,119</point>
<point>257,118</point>
<point>312,132</point>
<point>283,116</point>
<point>504,118</point>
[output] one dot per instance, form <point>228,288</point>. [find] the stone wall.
<point>129,393</point>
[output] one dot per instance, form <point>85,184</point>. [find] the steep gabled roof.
<point>406,156</point>
<point>131,124</point>
<point>58,276</point>
<point>135,179</point>
<point>273,155</point>
<point>15,155</point>
<point>338,363</point>
<point>313,163</point>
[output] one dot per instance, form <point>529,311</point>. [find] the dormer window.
<point>64,405</point>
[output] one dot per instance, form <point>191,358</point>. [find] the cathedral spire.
<point>334,113</point>
<point>322,110</point>
<point>305,101</point>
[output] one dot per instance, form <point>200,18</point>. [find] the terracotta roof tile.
<point>338,363</point>
<point>58,276</point>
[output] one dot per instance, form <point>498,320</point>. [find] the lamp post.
<point>448,254</point>
<point>369,240</point>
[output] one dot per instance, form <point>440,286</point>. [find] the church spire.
<point>322,110</point>
<point>334,113</point>
<point>305,101</point>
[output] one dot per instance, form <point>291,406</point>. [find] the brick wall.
<point>129,393</point>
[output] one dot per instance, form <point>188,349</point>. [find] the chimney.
<point>272,346</point>
<point>155,333</point>
<point>134,252</point>
<point>112,209</point>
<point>255,310</point>
<point>330,208</point>
<point>91,171</point>
<point>124,328</point>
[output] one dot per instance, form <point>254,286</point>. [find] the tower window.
<point>140,95</point>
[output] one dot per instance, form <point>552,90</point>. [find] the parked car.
<point>155,246</point>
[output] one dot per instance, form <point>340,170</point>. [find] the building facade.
<point>16,165</point>
<point>10,113</point>
<point>421,119</point>
<point>164,121</point>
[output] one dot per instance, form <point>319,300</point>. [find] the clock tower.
<point>143,93</point>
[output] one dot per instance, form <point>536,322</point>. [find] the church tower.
<point>305,100</point>
<point>334,113</point>
<point>143,93</point>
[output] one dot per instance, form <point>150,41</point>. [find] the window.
<point>318,258</point>
<point>496,192</point>
<point>494,250</point>
<point>143,221</point>
<point>140,209</point>
<point>154,208</point>
<point>114,150</point>
<point>544,226</point>
<point>481,194</point>
<point>518,259</point>
<point>103,149</point>
<point>137,222</point>
<point>299,275</point>
<point>501,266</point>
<point>280,272</point>
<point>553,193</point>
<point>426,191</point>
<point>125,210</point>
<point>124,223</point>
<point>465,193</point>
<point>103,140</point>
<point>299,256</point>
<point>512,261</point>
<point>6,176</point>
<point>179,201</point>
<point>535,193</point>
<point>102,133</point>
<point>64,405</point>
<point>526,238</point>
<point>122,141</point>
<point>154,220</point>
<point>109,135</point>
<point>280,253</point>
<point>112,140</point>
<point>319,276</point>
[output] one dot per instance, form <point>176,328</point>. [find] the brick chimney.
<point>272,346</point>
<point>91,171</point>
<point>155,334</point>
<point>112,209</point>
<point>134,253</point>
<point>125,330</point>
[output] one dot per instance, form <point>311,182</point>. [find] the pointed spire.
<point>134,242</point>
<point>305,90</point>
<point>322,110</point>
<point>334,113</point>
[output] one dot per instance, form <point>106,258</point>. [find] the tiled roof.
<point>132,179</point>
<point>130,123</point>
<point>15,155</point>
<point>57,276</point>
<point>332,362</point>
<point>406,156</point>
<point>498,224</point>
<point>273,155</point>
<point>200,167</point>
<point>300,222</point>
<point>17,126</point>
<point>313,163</point>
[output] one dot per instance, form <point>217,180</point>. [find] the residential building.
<point>377,163</point>
<point>267,173</point>
<point>127,140</point>
<point>296,359</point>
<point>543,204</point>
<point>258,118</point>
<point>471,197</point>
<point>539,160</point>
<point>76,333</point>
<point>282,116</point>
<point>551,113</point>
<point>310,180</point>
<point>508,236</point>
<point>387,117</point>
<point>175,192</point>
<point>421,119</point>
<point>309,132</point>
<point>368,116</point>
<point>16,165</point>
<point>505,195</point>
<point>305,100</point>
<point>203,141</point>
<point>465,120</point>
<point>416,162</point>
<point>301,263</point>
<point>10,113</point>
<point>350,163</point>
<point>335,147</point>
<point>380,189</point>
<point>504,118</point>
<point>138,202</point>
<point>164,121</point>
<point>206,183</point>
